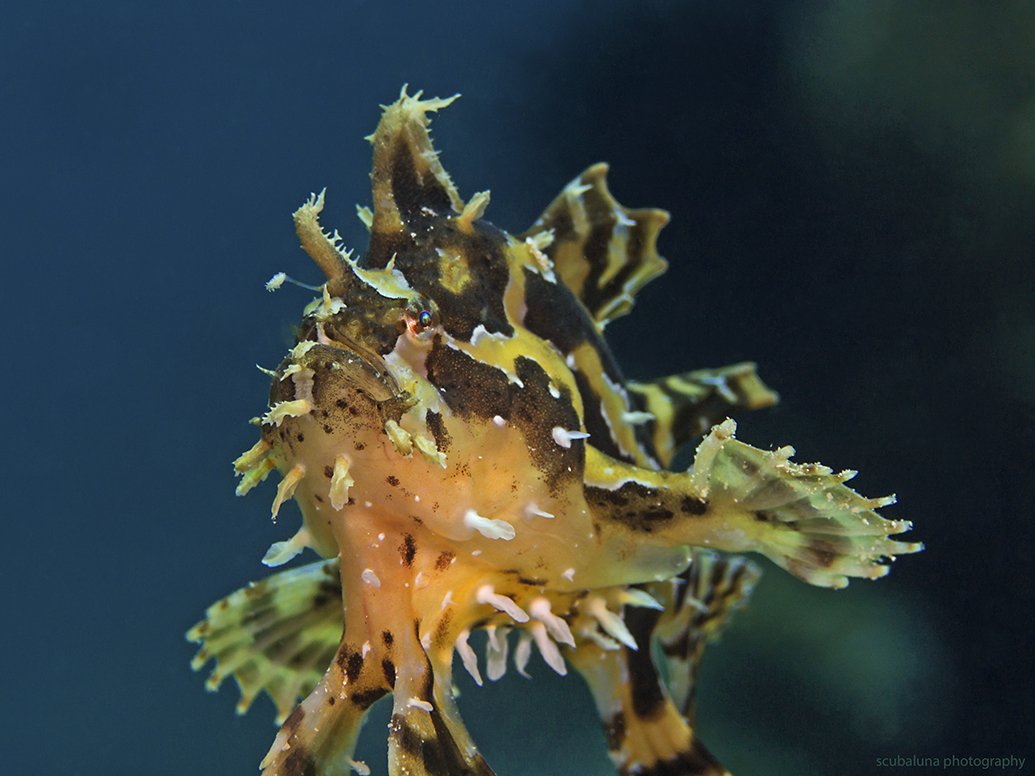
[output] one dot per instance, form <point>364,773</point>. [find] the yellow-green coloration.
<point>466,453</point>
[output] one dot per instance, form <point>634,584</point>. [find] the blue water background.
<point>852,188</point>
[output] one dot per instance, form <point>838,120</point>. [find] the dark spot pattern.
<point>437,427</point>
<point>691,505</point>
<point>350,662</point>
<point>388,669</point>
<point>634,505</point>
<point>408,550</point>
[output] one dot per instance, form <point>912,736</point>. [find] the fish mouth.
<point>363,369</point>
<point>347,365</point>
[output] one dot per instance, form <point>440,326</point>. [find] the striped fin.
<point>646,734</point>
<point>275,635</point>
<point>603,252</point>
<point>426,736</point>
<point>737,498</point>
<point>319,737</point>
<point>696,613</point>
<point>645,696</point>
<point>687,405</point>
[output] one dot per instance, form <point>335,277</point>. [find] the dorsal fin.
<point>409,182</point>
<point>687,405</point>
<point>602,251</point>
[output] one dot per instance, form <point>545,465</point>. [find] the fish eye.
<point>421,319</point>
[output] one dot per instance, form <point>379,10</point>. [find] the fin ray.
<point>603,252</point>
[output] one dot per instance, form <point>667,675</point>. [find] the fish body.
<point>467,456</point>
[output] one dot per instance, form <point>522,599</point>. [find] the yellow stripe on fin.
<point>687,405</point>
<point>604,275</point>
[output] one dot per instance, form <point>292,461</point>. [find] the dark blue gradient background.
<point>853,196</point>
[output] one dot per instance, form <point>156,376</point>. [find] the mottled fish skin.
<point>467,454</point>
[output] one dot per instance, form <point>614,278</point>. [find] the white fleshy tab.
<point>558,628</point>
<point>468,657</point>
<point>563,437</point>
<point>532,508</point>
<point>547,648</point>
<point>523,653</point>
<point>280,553</point>
<point>636,417</point>
<point>610,622</point>
<point>286,488</point>
<point>286,409</point>
<point>370,578</point>
<point>486,595</point>
<point>430,452</point>
<point>401,439</point>
<point>417,703</point>
<point>634,597</point>
<point>340,482</point>
<point>496,654</point>
<point>489,528</point>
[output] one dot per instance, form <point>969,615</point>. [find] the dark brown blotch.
<point>388,669</point>
<point>406,738</point>
<point>367,698</point>
<point>822,553</point>
<point>350,662</point>
<point>691,505</point>
<point>298,762</point>
<point>437,427</point>
<point>408,550</point>
<point>636,506</point>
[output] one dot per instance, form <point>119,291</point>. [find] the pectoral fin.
<point>738,498</point>
<point>275,635</point>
